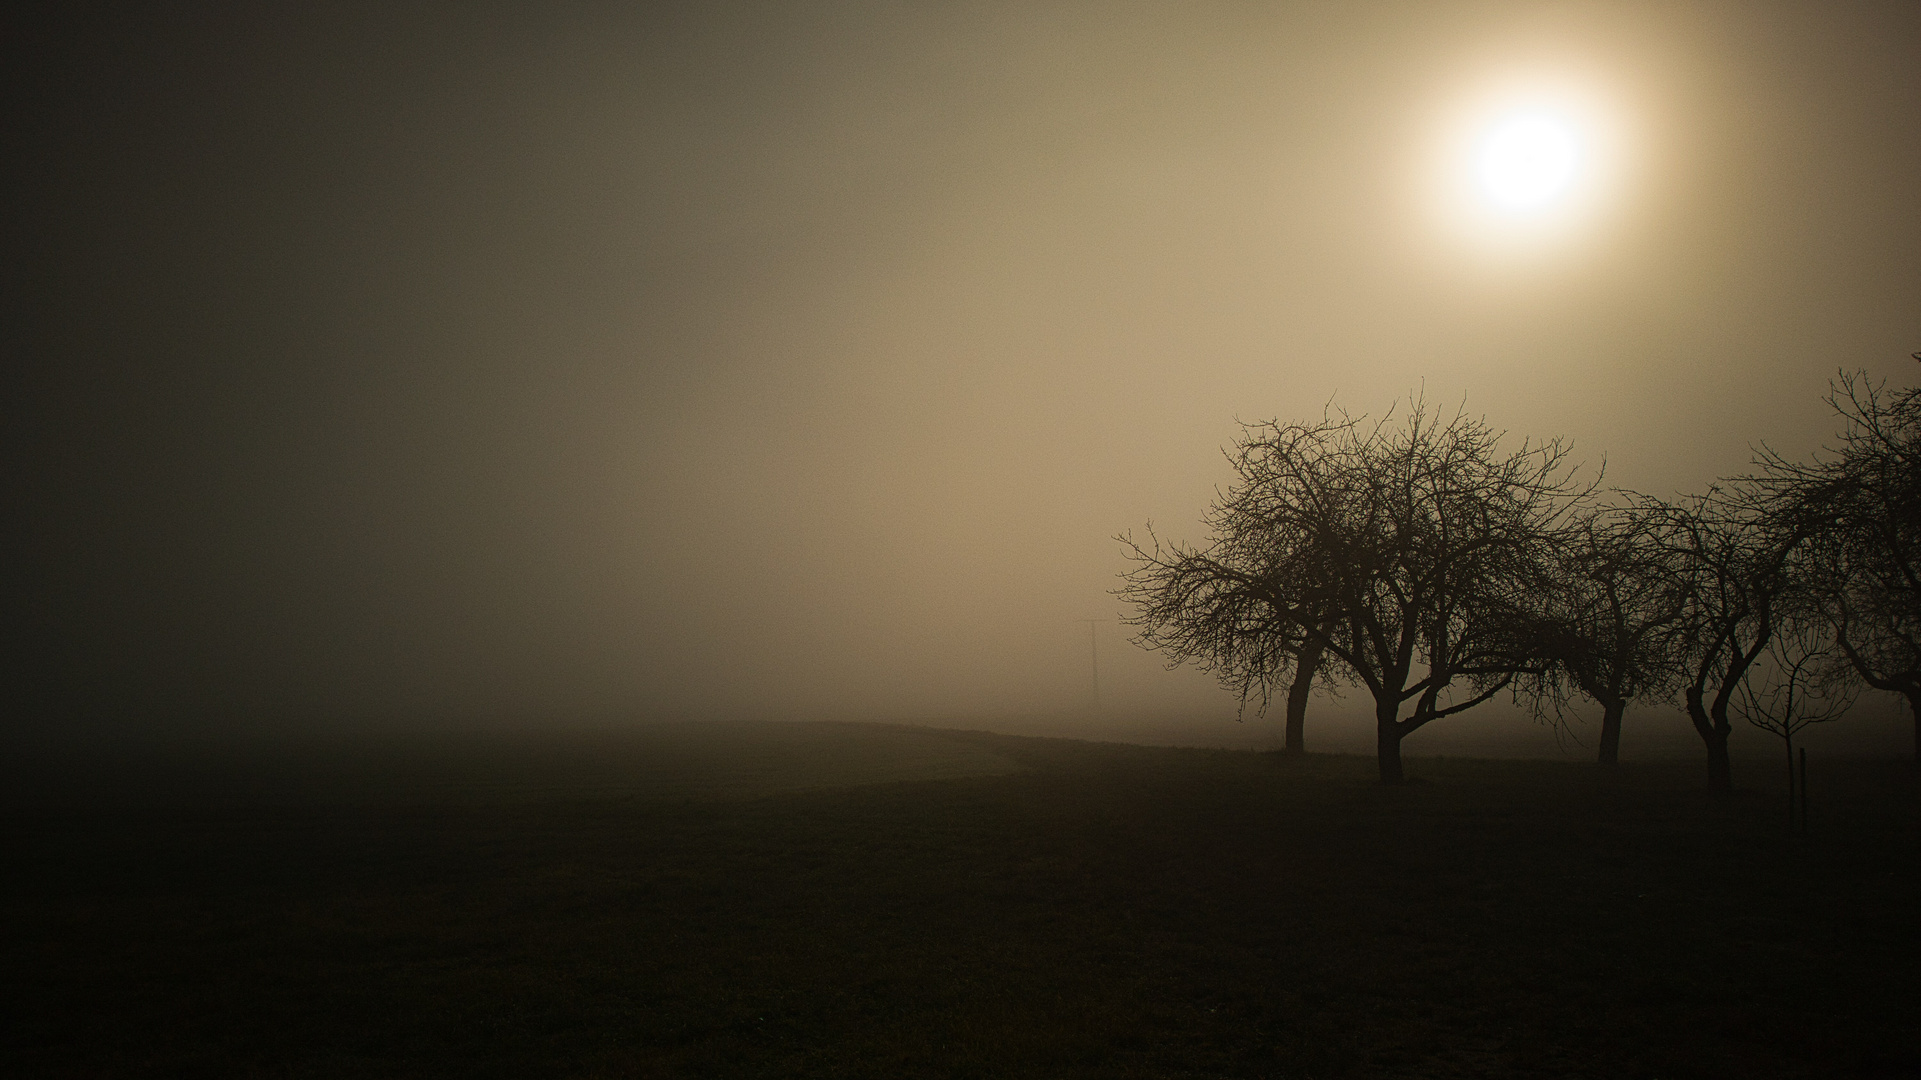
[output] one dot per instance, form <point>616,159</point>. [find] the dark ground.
<point>1105,911</point>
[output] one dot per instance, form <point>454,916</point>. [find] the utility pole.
<point>1094,657</point>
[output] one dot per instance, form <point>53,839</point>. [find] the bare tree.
<point>1731,557</point>
<point>1802,680</point>
<point>1241,607</point>
<point>1406,550</point>
<point>1861,501</point>
<point>1607,619</point>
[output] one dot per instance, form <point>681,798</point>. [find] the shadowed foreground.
<point>1101,911</point>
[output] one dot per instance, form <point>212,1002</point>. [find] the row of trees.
<point>1420,559</point>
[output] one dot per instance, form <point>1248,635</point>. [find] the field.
<point>749,900</point>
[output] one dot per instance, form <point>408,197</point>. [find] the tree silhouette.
<point>1249,607</point>
<point>1408,551</point>
<point>1861,501</point>
<point>1802,680</point>
<point>1608,618</point>
<point>1730,554</point>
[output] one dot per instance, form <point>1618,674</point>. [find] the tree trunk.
<point>1297,695</point>
<point>1388,745</point>
<point>1720,775</point>
<point>1611,712</point>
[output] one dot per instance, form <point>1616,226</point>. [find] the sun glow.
<point>1524,160</point>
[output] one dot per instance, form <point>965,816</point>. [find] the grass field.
<point>848,901</point>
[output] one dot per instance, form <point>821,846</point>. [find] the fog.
<point>398,364</point>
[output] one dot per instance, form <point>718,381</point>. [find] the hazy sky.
<point>389,361</point>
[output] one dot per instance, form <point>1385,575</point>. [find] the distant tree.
<point>1607,618</point>
<point>1861,501</point>
<point>1407,551</point>
<point>1731,556</point>
<point>1802,680</point>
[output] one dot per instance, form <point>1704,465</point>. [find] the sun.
<point>1524,163</point>
<point>1528,160</point>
